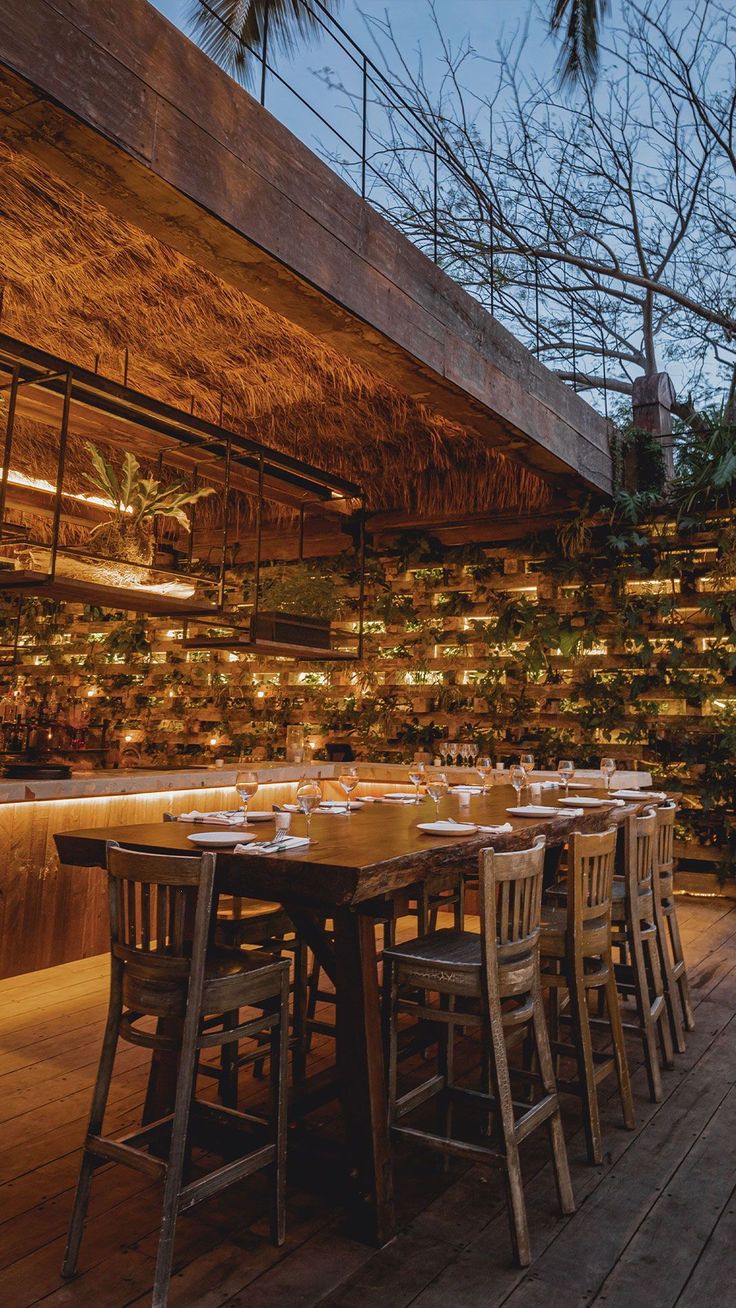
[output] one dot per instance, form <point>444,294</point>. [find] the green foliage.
<point>136,498</point>
<point>302,589</point>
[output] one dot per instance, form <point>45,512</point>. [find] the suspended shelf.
<point>42,388</point>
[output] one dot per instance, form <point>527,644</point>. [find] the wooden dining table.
<point>351,863</point>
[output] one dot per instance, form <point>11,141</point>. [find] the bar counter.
<point>52,914</point>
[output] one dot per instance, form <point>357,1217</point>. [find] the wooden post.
<point>652,400</point>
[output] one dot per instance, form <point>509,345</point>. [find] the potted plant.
<point>297,605</point>
<point>135,500</point>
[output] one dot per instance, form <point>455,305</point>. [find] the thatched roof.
<point>81,283</point>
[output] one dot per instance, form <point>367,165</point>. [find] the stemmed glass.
<point>608,767</point>
<point>566,772</point>
<point>527,762</point>
<point>518,780</point>
<point>437,787</point>
<point>484,768</point>
<point>348,780</point>
<point>416,777</point>
<point>308,796</point>
<point>246,784</point>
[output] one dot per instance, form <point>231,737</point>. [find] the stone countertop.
<point>149,781</point>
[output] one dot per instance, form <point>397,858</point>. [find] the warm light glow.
<point>260,694</point>
<point>91,692</point>
<point>213,741</point>
<point>16,478</point>
<point>128,738</point>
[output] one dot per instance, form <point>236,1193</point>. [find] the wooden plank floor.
<point>655,1226</point>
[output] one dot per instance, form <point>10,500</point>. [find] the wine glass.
<point>437,787</point>
<point>484,768</point>
<point>608,767</point>
<point>566,772</point>
<point>517,776</point>
<point>246,784</point>
<point>308,796</point>
<point>527,762</point>
<point>416,777</point>
<point>348,780</point>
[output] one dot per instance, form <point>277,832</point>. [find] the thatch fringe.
<point>82,283</point>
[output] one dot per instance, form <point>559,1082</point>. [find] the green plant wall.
<point>595,640</point>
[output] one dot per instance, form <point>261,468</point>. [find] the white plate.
<point>403,794</point>
<point>534,810</point>
<point>580,785</point>
<point>259,815</point>
<point>447,828</point>
<point>584,801</point>
<point>224,838</point>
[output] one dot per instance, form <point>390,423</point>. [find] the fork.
<point>270,846</point>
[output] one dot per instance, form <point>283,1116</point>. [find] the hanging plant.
<point>136,500</point>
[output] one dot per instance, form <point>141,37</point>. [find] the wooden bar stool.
<point>638,970</point>
<point>674,971</point>
<point>490,981</point>
<point>576,962</point>
<point>244,923</point>
<point>163,966</point>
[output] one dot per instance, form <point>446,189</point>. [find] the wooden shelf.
<point>113,597</point>
<point>276,649</point>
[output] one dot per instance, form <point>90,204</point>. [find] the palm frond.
<point>231,32</point>
<point>580,22</point>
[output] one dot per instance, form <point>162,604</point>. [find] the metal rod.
<point>63,441</point>
<point>301,533</point>
<point>264,51</point>
<point>605,379</point>
<point>259,533</point>
<point>491,253</point>
<point>361,591</point>
<point>434,200</point>
<point>7,449</point>
<point>365,128</point>
<point>225,524</point>
<point>35,381</point>
<point>192,512</point>
<point>536,301</point>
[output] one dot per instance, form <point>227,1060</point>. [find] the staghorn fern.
<point>138,499</point>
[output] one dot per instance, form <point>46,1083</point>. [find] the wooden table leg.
<point>361,1074</point>
<point>161,1089</point>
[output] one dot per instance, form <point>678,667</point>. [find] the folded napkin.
<point>466,790</point>
<point>234,818</point>
<point>291,842</point>
<point>591,802</point>
<point>396,799</point>
<point>496,831</point>
<point>640,794</point>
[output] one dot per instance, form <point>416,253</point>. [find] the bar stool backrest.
<point>665,861</point>
<point>510,914</point>
<point>160,911</point>
<point>640,852</point>
<point>591,862</point>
